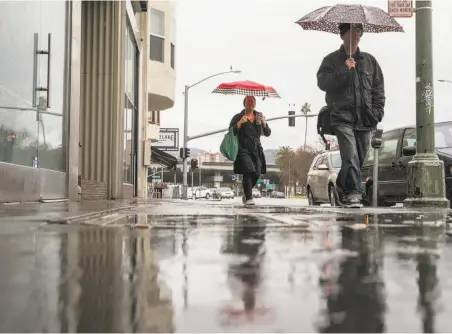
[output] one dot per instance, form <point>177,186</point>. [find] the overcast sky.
<point>259,38</point>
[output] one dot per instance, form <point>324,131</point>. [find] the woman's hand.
<point>244,119</point>
<point>262,119</point>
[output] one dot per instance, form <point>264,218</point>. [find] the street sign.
<point>156,177</point>
<point>260,181</point>
<point>271,186</point>
<point>168,139</point>
<point>400,8</point>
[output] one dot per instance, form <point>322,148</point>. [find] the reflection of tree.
<point>19,147</point>
<point>358,305</point>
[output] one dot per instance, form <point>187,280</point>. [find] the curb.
<point>90,215</point>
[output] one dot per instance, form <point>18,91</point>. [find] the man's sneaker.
<point>348,202</point>
<point>354,203</point>
<point>250,202</point>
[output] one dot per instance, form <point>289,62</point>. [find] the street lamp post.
<point>185,141</point>
<point>426,186</point>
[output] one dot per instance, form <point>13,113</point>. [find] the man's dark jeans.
<point>353,147</point>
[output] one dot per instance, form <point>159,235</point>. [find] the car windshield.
<point>225,189</point>
<point>336,160</point>
<point>443,135</point>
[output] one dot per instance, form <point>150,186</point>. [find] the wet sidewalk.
<point>217,267</point>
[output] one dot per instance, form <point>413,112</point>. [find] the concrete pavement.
<point>211,266</point>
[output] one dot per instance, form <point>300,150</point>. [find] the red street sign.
<point>400,8</point>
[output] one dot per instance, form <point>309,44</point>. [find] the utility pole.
<point>426,186</point>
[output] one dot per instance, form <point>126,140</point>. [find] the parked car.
<point>398,148</point>
<point>277,194</point>
<point>202,192</point>
<point>321,183</point>
<point>224,193</point>
<point>256,193</point>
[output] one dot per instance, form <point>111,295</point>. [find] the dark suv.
<point>397,150</point>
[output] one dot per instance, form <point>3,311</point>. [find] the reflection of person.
<point>249,125</point>
<point>354,86</point>
<point>359,301</point>
<point>248,271</point>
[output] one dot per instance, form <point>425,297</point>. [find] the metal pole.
<point>210,133</point>
<point>426,186</point>
<point>192,182</point>
<point>184,159</point>
<point>200,183</point>
<point>288,195</point>
<point>375,178</point>
<point>305,133</point>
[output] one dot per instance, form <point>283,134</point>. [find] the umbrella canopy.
<point>373,19</point>
<point>248,88</point>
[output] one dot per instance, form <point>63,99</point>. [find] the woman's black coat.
<point>250,157</point>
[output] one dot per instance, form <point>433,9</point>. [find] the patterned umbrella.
<point>373,19</point>
<point>248,88</point>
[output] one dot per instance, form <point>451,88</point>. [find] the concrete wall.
<point>161,76</point>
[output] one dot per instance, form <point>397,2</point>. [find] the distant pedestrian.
<point>249,125</point>
<point>355,95</point>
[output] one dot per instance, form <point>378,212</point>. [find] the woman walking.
<point>248,126</point>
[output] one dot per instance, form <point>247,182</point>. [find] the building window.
<point>173,55</point>
<point>157,48</point>
<point>130,108</point>
<point>157,36</point>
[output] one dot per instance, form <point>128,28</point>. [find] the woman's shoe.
<point>250,202</point>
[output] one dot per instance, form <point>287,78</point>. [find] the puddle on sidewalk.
<point>226,274</point>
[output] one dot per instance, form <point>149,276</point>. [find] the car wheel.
<point>311,199</point>
<point>207,196</point>
<point>333,196</point>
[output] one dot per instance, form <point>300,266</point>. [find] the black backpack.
<point>324,124</point>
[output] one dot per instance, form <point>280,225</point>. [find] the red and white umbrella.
<point>247,88</point>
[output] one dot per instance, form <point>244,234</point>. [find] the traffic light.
<point>291,119</point>
<point>181,153</point>
<point>194,163</point>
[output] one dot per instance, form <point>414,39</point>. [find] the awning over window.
<point>162,158</point>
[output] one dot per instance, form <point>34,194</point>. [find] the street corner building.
<point>82,85</point>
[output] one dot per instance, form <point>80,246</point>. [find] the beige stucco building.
<point>82,85</point>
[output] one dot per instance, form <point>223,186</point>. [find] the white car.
<point>202,192</point>
<point>224,193</point>
<point>256,193</point>
<point>322,178</point>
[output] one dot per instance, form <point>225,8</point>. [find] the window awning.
<point>162,158</point>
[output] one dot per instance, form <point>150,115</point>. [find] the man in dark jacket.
<point>354,86</point>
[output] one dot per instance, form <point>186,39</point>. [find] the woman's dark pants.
<point>248,183</point>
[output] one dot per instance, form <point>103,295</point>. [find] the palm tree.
<point>305,110</point>
<point>285,159</point>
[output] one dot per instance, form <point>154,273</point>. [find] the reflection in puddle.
<point>193,274</point>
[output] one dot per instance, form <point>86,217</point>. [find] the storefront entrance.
<point>33,100</point>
